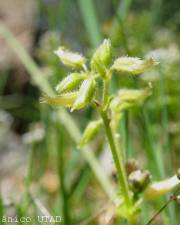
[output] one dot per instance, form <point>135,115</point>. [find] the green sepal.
<point>85,94</point>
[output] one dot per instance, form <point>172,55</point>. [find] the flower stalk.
<point>79,90</point>
<point>118,160</point>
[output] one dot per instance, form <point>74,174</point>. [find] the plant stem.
<point>105,91</point>
<point>117,160</point>
<point>67,121</point>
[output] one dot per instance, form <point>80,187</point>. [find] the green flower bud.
<point>70,82</point>
<point>158,189</point>
<point>66,99</point>
<point>117,105</point>
<point>127,98</point>
<point>139,180</point>
<point>70,59</point>
<point>90,132</point>
<point>85,95</point>
<point>133,95</point>
<point>133,65</point>
<point>102,57</point>
<point>131,166</point>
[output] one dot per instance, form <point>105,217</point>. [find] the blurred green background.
<point>38,144</point>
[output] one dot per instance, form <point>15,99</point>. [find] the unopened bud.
<point>70,82</point>
<point>133,95</point>
<point>117,106</point>
<point>102,57</point>
<point>127,98</point>
<point>66,99</point>
<point>133,65</point>
<point>131,166</point>
<point>85,94</point>
<point>90,132</point>
<point>70,59</point>
<point>139,180</point>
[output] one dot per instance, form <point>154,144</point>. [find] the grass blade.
<point>1,211</point>
<point>88,11</point>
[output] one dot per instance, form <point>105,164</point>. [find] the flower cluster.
<point>77,89</point>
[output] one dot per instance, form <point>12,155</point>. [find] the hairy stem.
<point>117,160</point>
<point>105,91</point>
